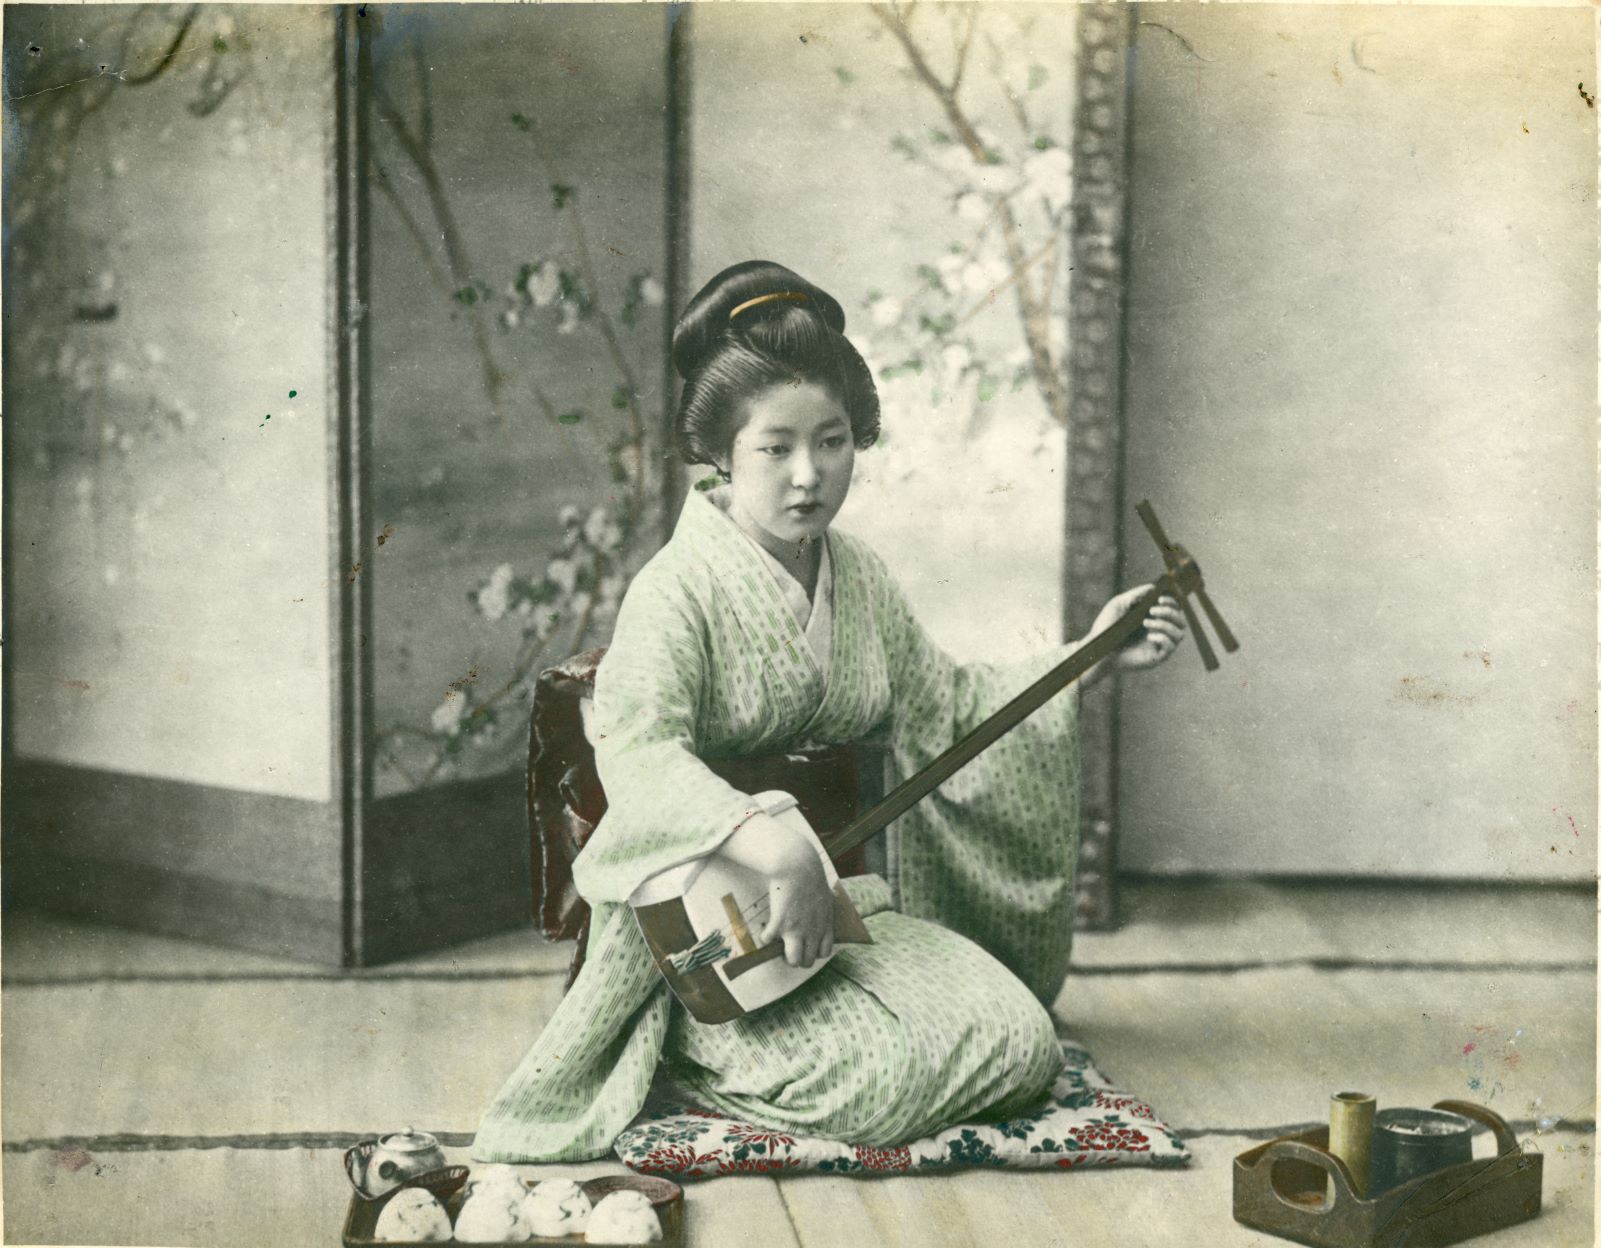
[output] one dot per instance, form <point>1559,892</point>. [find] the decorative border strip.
<point>671,478</point>
<point>351,488</point>
<point>274,1140</point>
<point>1095,431</point>
<point>283,1141</point>
<point>488,974</point>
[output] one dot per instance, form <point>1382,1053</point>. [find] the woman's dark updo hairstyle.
<point>726,360</point>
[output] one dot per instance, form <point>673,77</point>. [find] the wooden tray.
<point>1281,1187</point>
<point>361,1220</point>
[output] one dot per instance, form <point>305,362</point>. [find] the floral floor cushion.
<point>1085,1122</point>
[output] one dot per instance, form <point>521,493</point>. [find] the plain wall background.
<point>1361,388</point>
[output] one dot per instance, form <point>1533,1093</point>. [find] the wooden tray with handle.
<point>1295,1188</point>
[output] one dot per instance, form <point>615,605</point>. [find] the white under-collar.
<point>815,615</point>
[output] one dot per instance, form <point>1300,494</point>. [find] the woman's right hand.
<point>800,905</point>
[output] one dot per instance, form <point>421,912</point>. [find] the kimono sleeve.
<point>993,852</point>
<point>664,806</point>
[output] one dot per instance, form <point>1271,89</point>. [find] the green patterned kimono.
<point>891,1040</point>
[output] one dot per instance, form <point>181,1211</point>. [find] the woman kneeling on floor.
<point>760,629</point>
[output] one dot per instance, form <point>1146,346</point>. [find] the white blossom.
<point>568,517</point>
<point>447,715</point>
<point>971,207</point>
<point>1011,26</point>
<point>569,318</point>
<point>511,318</point>
<point>492,602</point>
<point>650,290</point>
<point>562,573</point>
<point>994,180</point>
<point>950,267</point>
<point>544,284</point>
<point>581,601</point>
<point>956,357</point>
<point>1058,336</point>
<point>887,311</point>
<point>975,277</point>
<point>495,597</point>
<point>595,526</point>
<point>953,158</point>
<point>1050,175</point>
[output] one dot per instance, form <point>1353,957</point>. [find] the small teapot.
<point>381,1165</point>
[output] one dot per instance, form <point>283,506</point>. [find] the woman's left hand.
<point>1162,633</point>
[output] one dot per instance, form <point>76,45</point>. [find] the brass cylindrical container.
<point>1351,1136</point>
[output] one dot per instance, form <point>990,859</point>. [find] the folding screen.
<point>516,167</point>
<point>169,722</point>
<point>334,384</point>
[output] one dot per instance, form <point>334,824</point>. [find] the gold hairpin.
<point>793,296</point>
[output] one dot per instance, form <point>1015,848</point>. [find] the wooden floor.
<point>162,1093</point>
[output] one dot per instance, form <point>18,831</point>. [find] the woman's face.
<point>791,465</point>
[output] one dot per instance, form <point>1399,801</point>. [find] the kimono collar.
<point>705,524</point>
<point>705,516</point>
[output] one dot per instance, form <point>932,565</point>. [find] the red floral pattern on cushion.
<point>744,1133</point>
<point>674,1159</point>
<point>1084,1121</point>
<point>1135,1108</point>
<point>1108,1135</point>
<point>894,1159</point>
<point>757,1165</point>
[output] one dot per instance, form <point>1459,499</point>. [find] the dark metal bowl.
<point>1411,1142</point>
